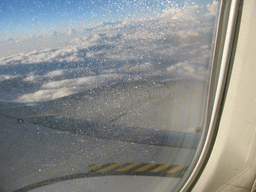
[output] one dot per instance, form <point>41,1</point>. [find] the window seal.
<point>224,44</point>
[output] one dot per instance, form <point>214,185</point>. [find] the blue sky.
<point>24,17</point>
<point>33,16</point>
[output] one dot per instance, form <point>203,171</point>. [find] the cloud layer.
<point>176,44</point>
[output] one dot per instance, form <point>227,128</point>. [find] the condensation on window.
<point>103,95</point>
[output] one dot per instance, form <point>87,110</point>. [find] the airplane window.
<point>103,95</point>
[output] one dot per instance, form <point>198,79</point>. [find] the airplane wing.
<point>79,138</point>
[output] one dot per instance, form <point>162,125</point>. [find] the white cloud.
<point>45,95</point>
<point>212,8</point>
<point>54,73</point>
<point>56,89</point>
<point>71,32</point>
<point>9,77</point>
<point>137,68</point>
<point>187,70</point>
<point>175,44</point>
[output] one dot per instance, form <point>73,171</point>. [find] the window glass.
<point>103,95</point>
